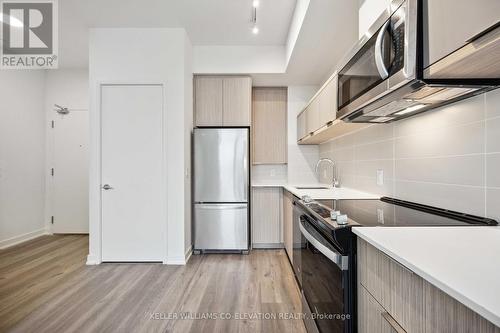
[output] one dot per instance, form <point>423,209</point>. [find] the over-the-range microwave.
<point>384,77</point>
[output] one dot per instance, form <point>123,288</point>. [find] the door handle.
<point>107,187</point>
<point>379,60</point>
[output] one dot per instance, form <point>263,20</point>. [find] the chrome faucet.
<point>335,181</point>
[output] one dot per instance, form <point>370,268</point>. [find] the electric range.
<point>324,250</point>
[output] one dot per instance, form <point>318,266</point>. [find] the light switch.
<point>380,177</point>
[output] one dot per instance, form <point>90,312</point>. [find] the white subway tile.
<point>459,140</point>
<point>493,171</point>
<point>461,170</point>
<point>465,199</point>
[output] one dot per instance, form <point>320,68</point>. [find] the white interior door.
<point>71,173</point>
<point>131,157</point>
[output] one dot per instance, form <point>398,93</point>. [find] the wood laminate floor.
<point>46,287</point>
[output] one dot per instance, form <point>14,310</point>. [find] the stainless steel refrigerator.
<point>221,189</point>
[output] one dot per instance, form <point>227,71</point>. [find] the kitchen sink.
<point>312,187</point>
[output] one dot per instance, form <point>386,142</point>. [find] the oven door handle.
<point>340,260</point>
<point>379,59</point>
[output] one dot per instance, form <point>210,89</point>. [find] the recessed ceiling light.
<point>255,3</point>
<point>410,109</point>
<point>255,30</point>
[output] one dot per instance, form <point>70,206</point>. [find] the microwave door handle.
<point>337,258</point>
<point>379,59</point>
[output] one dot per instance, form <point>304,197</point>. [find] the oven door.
<point>383,62</point>
<point>324,282</point>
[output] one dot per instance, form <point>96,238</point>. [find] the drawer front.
<point>397,289</point>
<point>372,317</point>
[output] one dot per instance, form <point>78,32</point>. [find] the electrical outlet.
<point>273,172</point>
<point>380,177</point>
<point>380,215</point>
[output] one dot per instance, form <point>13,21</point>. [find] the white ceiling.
<point>207,22</point>
<point>329,30</point>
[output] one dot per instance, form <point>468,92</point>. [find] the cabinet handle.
<point>394,324</point>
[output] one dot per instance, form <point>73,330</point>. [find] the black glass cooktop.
<point>393,212</point>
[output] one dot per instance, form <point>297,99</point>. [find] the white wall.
<point>301,159</point>
<point>188,123</point>
<point>215,59</point>
<point>22,155</point>
<point>146,55</point>
<point>68,88</point>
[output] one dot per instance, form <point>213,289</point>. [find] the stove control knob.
<point>334,214</point>
<point>342,219</point>
<point>307,199</point>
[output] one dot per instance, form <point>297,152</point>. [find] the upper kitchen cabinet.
<point>312,116</point>
<point>328,102</point>
<point>222,100</point>
<point>301,126</point>
<point>237,101</point>
<point>318,123</point>
<point>450,24</point>
<point>208,101</point>
<point>269,125</point>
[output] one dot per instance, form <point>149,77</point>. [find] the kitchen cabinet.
<point>237,101</point>
<point>208,101</point>
<point>328,102</point>
<point>391,294</point>
<point>372,317</point>
<point>450,24</point>
<point>301,126</point>
<point>317,123</point>
<point>312,116</point>
<point>267,231</point>
<point>288,223</point>
<point>222,100</point>
<point>269,125</point>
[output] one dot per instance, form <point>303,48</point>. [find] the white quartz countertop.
<point>328,193</point>
<point>464,262</point>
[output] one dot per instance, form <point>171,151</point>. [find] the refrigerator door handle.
<point>222,206</point>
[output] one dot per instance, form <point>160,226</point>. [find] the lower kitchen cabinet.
<point>392,298</point>
<point>267,231</point>
<point>288,223</point>
<point>372,317</point>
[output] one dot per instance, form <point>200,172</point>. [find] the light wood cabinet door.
<point>267,229</point>
<point>312,116</point>
<point>328,103</point>
<point>397,289</point>
<point>288,223</point>
<point>372,318</point>
<point>449,24</point>
<point>301,126</point>
<point>208,101</point>
<point>269,126</point>
<point>445,314</point>
<point>237,101</point>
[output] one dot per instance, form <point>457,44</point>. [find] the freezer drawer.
<point>221,165</point>
<point>221,226</point>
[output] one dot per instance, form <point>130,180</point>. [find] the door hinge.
<point>52,172</point>
<point>52,124</point>
<point>52,219</point>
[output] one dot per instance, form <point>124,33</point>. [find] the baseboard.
<point>268,246</point>
<point>92,260</point>
<point>22,238</point>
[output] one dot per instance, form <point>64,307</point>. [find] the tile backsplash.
<point>448,157</point>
